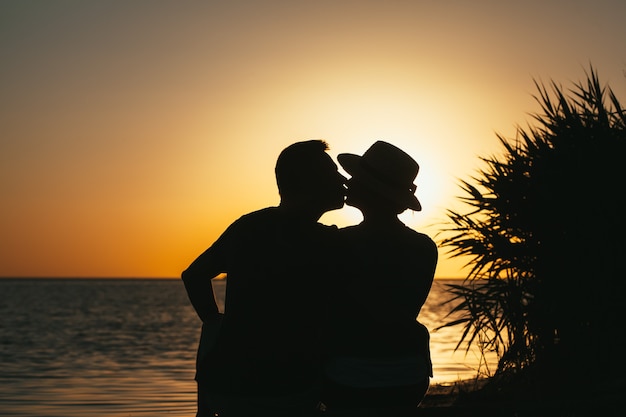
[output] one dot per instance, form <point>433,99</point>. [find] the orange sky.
<point>133,133</point>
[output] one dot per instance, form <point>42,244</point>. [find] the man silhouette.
<point>266,355</point>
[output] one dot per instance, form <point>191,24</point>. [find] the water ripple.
<point>127,347</point>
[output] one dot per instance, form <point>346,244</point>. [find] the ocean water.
<point>94,347</point>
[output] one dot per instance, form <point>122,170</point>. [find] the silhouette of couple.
<point>318,319</point>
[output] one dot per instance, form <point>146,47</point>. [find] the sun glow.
<point>137,160</point>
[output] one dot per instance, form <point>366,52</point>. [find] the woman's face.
<point>363,197</point>
<point>359,195</point>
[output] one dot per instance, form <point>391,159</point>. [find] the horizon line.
<point>137,278</point>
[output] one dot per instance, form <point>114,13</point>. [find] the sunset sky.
<point>133,132</point>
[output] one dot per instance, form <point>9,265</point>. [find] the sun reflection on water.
<point>72,348</point>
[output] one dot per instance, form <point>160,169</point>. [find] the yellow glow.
<point>129,139</point>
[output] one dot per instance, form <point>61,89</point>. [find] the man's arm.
<point>197,280</point>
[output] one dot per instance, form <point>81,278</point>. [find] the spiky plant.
<point>545,235</point>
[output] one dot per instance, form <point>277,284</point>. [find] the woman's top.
<point>384,277</point>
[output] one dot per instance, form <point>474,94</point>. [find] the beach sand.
<point>467,398</point>
<point>473,398</point>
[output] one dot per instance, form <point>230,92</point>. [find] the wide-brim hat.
<point>388,170</point>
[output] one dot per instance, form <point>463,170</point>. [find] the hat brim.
<point>351,163</point>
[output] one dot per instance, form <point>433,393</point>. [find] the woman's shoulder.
<point>400,236</point>
<point>418,238</point>
<point>423,238</point>
<point>349,229</point>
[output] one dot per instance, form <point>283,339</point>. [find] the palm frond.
<point>519,220</point>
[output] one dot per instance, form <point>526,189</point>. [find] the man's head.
<point>307,176</point>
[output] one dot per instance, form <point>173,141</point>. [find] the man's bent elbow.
<point>188,275</point>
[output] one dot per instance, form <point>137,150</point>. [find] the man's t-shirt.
<point>278,267</point>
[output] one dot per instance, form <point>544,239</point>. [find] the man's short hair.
<point>295,167</point>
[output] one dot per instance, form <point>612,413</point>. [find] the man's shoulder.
<point>250,223</point>
<point>328,228</point>
<point>259,214</point>
<point>276,219</point>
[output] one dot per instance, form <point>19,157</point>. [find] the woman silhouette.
<point>378,352</point>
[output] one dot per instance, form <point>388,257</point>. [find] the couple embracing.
<point>318,319</point>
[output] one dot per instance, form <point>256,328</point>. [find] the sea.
<point>126,347</point>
